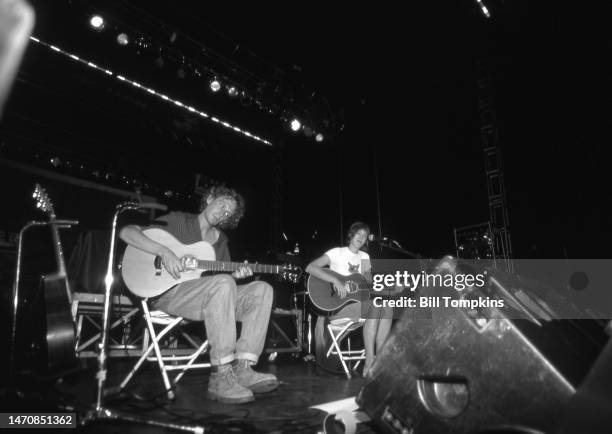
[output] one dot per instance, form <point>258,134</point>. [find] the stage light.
<point>215,86</point>
<point>96,22</point>
<point>123,39</point>
<point>308,131</point>
<point>484,9</point>
<point>232,91</point>
<point>319,137</point>
<point>296,125</point>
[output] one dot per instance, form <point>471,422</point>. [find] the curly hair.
<point>221,191</point>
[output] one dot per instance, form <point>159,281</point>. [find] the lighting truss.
<point>152,92</point>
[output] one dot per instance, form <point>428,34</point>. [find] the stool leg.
<point>338,350</point>
<point>160,360</point>
<point>192,359</point>
<point>133,371</point>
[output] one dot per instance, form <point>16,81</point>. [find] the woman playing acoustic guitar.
<point>346,261</point>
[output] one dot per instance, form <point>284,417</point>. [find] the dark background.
<point>399,85</point>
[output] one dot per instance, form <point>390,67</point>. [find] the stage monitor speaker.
<point>443,370</point>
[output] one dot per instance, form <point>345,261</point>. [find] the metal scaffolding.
<point>492,149</point>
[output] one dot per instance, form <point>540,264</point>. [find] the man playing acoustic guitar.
<point>345,261</point>
<point>216,300</point>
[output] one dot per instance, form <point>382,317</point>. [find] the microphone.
<point>383,240</point>
<point>66,223</point>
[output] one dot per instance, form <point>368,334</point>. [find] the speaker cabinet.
<point>446,370</point>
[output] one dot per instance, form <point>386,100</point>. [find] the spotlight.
<point>295,125</point>
<point>123,39</point>
<point>319,137</point>
<point>484,9</point>
<point>232,91</point>
<point>308,131</point>
<point>215,85</point>
<point>96,22</point>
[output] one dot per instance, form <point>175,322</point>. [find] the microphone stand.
<point>387,244</point>
<point>99,412</point>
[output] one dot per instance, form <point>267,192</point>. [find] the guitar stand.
<point>11,393</point>
<point>15,304</point>
<point>99,412</point>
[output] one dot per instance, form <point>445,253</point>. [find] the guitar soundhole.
<point>157,263</point>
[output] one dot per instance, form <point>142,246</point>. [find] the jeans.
<point>219,302</point>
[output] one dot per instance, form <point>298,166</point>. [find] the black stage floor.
<point>286,409</point>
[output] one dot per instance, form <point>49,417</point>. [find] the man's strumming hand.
<point>171,263</point>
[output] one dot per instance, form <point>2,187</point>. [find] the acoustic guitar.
<point>58,343</point>
<point>145,276</point>
<point>324,296</point>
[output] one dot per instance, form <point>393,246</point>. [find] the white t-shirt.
<point>345,262</point>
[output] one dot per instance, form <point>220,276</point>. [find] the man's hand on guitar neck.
<point>243,272</point>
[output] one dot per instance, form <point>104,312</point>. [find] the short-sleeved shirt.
<point>186,228</point>
<point>345,262</point>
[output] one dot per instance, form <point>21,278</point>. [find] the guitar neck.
<point>233,266</point>
<point>61,263</point>
<point>59,253</point>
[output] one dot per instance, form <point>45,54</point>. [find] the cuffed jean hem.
<point>247,356</point>
<point>223,360</point>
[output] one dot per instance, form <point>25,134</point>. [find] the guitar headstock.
<point>290,273</point>
<point>42,200</point>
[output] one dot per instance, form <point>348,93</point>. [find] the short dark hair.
<point>356,227</point>
<point>221,191</point>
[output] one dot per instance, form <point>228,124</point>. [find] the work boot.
<point>223,387</point>
<point>257,382</point>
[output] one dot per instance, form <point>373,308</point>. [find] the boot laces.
<point>229,375</point>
